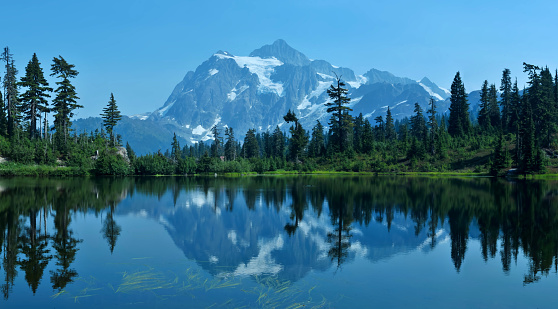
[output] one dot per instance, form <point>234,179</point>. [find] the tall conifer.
<point>459,123</point>
<point>34,99</point>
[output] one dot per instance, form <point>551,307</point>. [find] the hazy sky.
<point>140,50</point>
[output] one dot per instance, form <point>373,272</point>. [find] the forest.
<point>514,134</point>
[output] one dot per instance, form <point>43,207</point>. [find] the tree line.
<point>514,129</point>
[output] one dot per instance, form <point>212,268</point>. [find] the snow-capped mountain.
<point>256,91</point>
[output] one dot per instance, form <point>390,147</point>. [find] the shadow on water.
<point>506,217</point>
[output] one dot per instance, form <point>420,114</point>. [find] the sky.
<point>139,50</point>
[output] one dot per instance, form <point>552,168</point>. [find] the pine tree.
<point>433,126</point>
<point>230,145</point>
<point>176,152</point>
<point>493,109</point>
<point>34,99</point>
<point>515,109</point>
<point>317,143</point>
<point>66,98</point>
<point>459,123</point>
<point>250,148</point>
<point>111,116</point>
<point>379,128</point>
<point>11,93</point>
<point>505,100</point>
<point>216,147</point>
<point>390,127</point>
<point>298,140</point>
<point>483,118</point>
<point>340,122</point>
<point>418,124</point>
<point>3,120</point>
<point>548,108</point>
<point>358,127</point>
<point>367,137</point>
<point>278,143</point>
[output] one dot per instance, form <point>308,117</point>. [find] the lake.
<point>284,242</point>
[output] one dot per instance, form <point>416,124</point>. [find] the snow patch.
<point>361,80</point>
<point>304,104</point>
<point>199,130</point>
<point>262,68</point>
<point>263,263</point>
<point>430,92</point>
<point>322,87</point>
<point>213,72</point>
<point>162,110</point>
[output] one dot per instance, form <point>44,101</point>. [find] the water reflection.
<point>282,226</point>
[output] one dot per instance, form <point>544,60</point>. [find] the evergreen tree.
<point>367,137</point>
<point>298,140</point>
<point>433,126</point>
<point>250,148</point>
<point>526,138</point>
<point>493,109</point>
<point>11,93</point>
<point>34,99</point>
<point>317,143</point>
<point>230,145</point>
<point>547,108</point>
<point>357,132</point>
<point>3,120</point>
<point>131,153</point>
<point>390,128</point>
<point>459,123</point>
<point>111,116</point>
<point>506,100</point>
<point>340,122</point>
<point>514,109</point>
<point>483,118</point>
<point>499,157</point>
<point>217,143</point>
<point>66,98</point>
<point>278,143</point>
<point>176,152</point>
<point>418,124</point>
<point>379,128</point>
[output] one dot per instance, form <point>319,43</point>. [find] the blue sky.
<point>139,50</point>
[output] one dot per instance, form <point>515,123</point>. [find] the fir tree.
<point>34,99</point>
<point>493,109</point>
<point>390,128</point>
<point>217,142</point>
<point>298,140</point>
<point>3,120</point>
<point>340,122</point>
<point>506,100</point>
<point>11,93</point>
<point>380,128</point>
<point>278,143</point>
<point>66,98</point>
<point>433,126</point>
<point>176,152</point>
<point>111,116</point>
<point>250,149</point>
<point>367,137</point>
<point>483,117</point>
<point>418,124</point>
<point>317,143</point>
<point>459,123</point>
<point>230,145</point>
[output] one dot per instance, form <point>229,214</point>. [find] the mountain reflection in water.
<point>281,226</point>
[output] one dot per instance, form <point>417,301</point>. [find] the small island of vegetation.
<point>515,133</point>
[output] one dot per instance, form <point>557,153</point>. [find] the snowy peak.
<point>433,89</point>
<point>283,52</point>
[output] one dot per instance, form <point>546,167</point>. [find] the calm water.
<point>285,242</point>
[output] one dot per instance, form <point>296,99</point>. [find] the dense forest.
<point>515,132</point>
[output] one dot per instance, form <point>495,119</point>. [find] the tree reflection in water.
<point>511,217</point>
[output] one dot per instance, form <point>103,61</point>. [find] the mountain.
<point>256,91</point>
